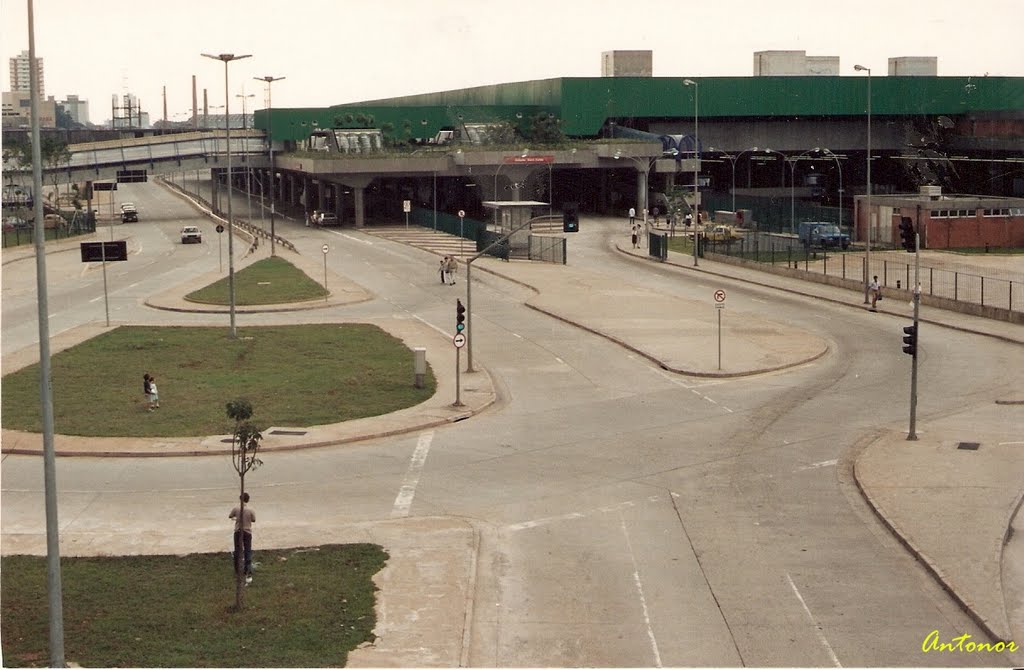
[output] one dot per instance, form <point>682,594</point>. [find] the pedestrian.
<point>876,292</point>
<point>655,213</point>
<point>154,394</point>
<point>635,234</point>
<point>243,536</point>
<point>146,390</point>
<point>444,270</point>
<point>453,269</point>
<point>688,219</point>
<point>632,217</point>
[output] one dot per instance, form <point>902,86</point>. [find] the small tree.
<point>546,129</point>
<point>245,443</point>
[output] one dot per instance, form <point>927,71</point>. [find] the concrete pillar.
<point>359,192</point>
<point>641,191</point>
<point>321,192</point>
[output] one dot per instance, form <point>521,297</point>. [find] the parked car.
<point>327,219</point>
<point>722,233</point>
<point>823,235</point>
<point>191,234</point>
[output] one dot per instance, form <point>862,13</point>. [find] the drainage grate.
<point>287,432</point>
<point>970,446</point>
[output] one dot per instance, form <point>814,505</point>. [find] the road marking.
<point>817,626</point>
<point>820,464</point>
<point>412,477</point>
<point>534,523</point>
<point>759,300</point>
<point>640,590</point>
<point>355,239</point>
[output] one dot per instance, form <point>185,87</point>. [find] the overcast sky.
<point>338,51</point>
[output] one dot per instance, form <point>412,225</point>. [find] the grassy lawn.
<point>267,282</point>
<point>293,375</point>
<point>305,608</point>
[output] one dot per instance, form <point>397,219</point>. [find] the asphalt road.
<point>628,517</point>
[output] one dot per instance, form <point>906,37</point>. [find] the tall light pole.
<point>227,58</point>
<point>867,237</point>
<point>786,162</point>
<point>248,177</point>
<point>827,152</point>
<point>732,162</point>
<point>55,598</point>
<point>496,172</point>
<point>270,142</point>
<point>696,162</point>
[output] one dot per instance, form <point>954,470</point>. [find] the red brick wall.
<point>976,231</point>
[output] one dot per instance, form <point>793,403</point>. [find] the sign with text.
<point>529,160</point>
<point>94,252</point>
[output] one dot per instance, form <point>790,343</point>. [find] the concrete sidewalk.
<point>951,507</point>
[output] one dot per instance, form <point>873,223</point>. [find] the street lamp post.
<point>227,58</point>
<point>867,237</point>
<point>839,166</point>
<point>696,162</point>
<point>496,173</point>
<point>248,176</point>
<point>792,169</point>
<point>732,162</point>
<point>273,181</point>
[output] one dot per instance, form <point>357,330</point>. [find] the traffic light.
<point>460,317</point>
<point>570,218</point>
<point>910,340</point>
<point>907,234</point>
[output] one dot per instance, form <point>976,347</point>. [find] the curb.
<point>923,558</point>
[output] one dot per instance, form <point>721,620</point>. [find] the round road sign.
<point>220,228</point>
<point>462,213</point>
<point>459,340</point>
<point>324,248</point>
<point>719,295</point>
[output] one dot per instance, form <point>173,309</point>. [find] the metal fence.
<point>955,280</point>
<point>547,249</point>
<point>78,225</point>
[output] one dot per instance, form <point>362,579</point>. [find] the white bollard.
<point>419,357</point>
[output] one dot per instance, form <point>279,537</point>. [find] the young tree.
<point>245,443</point>
<point>546,129</point>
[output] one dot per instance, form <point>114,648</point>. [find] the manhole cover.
<point>287,432</point>
<point>970,446</point>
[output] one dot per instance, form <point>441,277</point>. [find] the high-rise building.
<point>77,108</point>
<point>21,75</point>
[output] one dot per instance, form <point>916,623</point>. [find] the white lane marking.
<point>819,464</point>
<point>640,590</point>
<point>534,523</point>
<point>559,360</point>
<point>517,335</point>
<point>817,626</point>
<point>430,325</point>
<point>97,299</point>
<point>412,477</point>
<point>354,239</point>
<point>1005,443</point>
<point>759,300</point>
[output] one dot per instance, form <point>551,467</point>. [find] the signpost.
<point>462,218</point>
<point>220,254</point>
<point>325,249</point>
<point>103,252</point>
<point>719,306</point>
<point>407,207</point>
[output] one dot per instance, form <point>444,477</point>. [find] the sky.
<point>340,51</point>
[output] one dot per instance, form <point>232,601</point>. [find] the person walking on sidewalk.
<point>635,235</point>
<point>876,291</point>
<point>243,536</point>
<point>453,269</point>
<point>632,217</point>
<point>444,270</point>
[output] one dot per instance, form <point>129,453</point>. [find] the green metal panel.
<point>585,103</point>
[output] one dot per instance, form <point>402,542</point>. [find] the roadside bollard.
<point>419,357</point>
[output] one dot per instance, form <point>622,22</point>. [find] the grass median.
<point>266,282</point>
<point>306,608</point>
<point>303,375</point>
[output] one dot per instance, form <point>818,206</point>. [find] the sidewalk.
<point>951,507</point>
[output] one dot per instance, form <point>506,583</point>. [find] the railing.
<point>22,236</point>
<point>894,269</point>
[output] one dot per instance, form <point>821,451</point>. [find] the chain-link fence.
<point>69,226</point>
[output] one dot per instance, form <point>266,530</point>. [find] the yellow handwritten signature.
<point>963,643</point>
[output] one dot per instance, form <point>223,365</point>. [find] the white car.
<point>127,206</point>
<point>191,234</point>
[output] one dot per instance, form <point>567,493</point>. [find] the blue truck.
<point>818,234</point>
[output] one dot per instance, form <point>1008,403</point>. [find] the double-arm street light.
<point>227,58</point>
<point>248,178</point>
<point>496,173</point>
<point>696,163</point>
<point>270,143</point>
<point>867,237</point>
<point>839,166</point>
<point>733,160</point>
<point>643,166</point>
